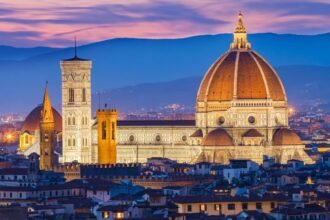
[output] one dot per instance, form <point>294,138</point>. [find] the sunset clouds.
<point>55,23</point>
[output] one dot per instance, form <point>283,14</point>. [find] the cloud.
<point>55,22</point>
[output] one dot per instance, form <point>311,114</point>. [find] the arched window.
<point>83,95</point>
<point>104,130</point>
<point>113,131</point>
<point>69,121</point>
<point>71,95</point>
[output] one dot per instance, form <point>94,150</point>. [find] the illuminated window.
<point>217,207</point>
<point>83,95</point>
<point>119,215</point>
<point>46,137</point>
<point>105,215</point>
<point>203,207</point>
<point>71,95</point>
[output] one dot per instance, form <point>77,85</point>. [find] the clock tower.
<point>76,110</point>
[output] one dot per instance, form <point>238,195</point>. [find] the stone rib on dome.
<point>285,136</point>
<point>218,137</point>
<point>255,79</point>
<point>32,121</point>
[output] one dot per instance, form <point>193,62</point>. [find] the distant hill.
<point>302,83</point>
<point>127,62</point>
<point>8,53</point>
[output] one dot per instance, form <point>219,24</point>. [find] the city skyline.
<point>55,23</point>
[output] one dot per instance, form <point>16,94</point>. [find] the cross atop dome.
<point>240,41</point>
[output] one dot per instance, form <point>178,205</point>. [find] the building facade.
<point>241,113</point>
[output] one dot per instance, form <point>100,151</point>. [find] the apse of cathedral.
<point>241,113</point>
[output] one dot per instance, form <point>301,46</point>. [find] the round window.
<point>252,120</point>
<point>158,138</point>
<point>184,138</point>
<point>221,120</point>
<point>131,138</point>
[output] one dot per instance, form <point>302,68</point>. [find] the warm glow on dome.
<point>241,73</point>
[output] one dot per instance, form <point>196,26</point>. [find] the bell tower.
<point>47,134</point>
<point>106,131</point>
<point>76,109</point>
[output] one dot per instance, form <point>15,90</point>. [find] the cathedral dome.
<point>241,73</point>
<point>218,137</point>
<point>285,136</point>
<point>31,122</point>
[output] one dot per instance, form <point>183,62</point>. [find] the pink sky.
<point>55,23</point>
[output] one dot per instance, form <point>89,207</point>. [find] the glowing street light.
<point>291,111</point>
<point>9,137</point>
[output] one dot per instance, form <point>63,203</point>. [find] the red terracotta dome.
<point>285,136</point>
<point>218,137</point>
<point>241,75</point>
<point>31,122</point>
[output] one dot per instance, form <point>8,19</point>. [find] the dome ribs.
<point>222,85</point>
<point>250,84</point>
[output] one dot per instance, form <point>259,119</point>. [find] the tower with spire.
<point>76,109</point>
<point>240,41</point>
<point>47,134</point>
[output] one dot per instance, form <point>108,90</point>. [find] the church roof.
<point>156,123</point>
<point>32,121</point>
<point>47,112</point>
<point>285,136</point>
<point>218,137</point>
<point>197,133</point>
<point>76,58</point>
<point>241,73</point>
<point>252,133</point>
